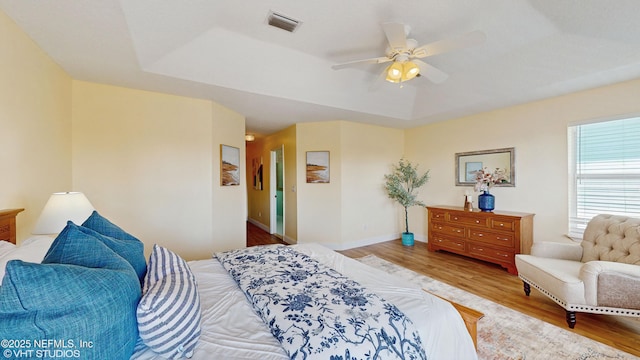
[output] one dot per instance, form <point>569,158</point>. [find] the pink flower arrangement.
<point>485,179</point>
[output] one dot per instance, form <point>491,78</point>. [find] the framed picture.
<point>318,167</point>
<point>229,165</point>
<point>470,169</point>
<point>257,173</point>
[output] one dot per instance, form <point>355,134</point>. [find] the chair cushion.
<point>617,290</point>
<point>81,288</point>
<point>560,278</point>
<point>612,238</point>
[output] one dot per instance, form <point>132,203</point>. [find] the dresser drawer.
<point>464,219</point>
<point>490,253</point>
<point>437,215</point>
<point>493,238</point>
<point>448,230</point>
<point>454,245</point>
<point>503,224</point>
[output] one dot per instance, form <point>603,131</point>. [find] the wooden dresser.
<point>8,225</point>
<point>490,236</point>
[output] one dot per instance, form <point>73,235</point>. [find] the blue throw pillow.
<point>83,300</point>
<point>135,256</point>
<point>132,251</point>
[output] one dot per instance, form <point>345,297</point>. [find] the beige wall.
<point>538,131</point>
<point>352,210</point>
<point>319,205</point>
<point>368,215</point>
<point>150,162</point>
<point>35,126</point>
<point>258,200</point>
<point>229,203</point>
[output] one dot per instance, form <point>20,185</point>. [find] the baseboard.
<point>344,246</point>
<point>369,241</point>
<point>288,240</point>
<point>258,224</point>
<point>264,227</point>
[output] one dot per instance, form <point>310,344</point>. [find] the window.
<point>604,171</point>
<point>604,165</point>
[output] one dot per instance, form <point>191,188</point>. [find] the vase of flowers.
<point>485,180</point>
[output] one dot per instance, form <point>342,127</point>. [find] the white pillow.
<point>169,310</point>
<point>31,250</point>
<point>6,247</point>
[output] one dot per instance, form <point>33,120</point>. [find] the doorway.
<point>276,191</point>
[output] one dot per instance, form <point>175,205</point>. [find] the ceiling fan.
<point>404,54</point>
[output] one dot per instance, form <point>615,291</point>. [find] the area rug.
<point>504,333</point>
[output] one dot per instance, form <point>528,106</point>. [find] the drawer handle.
<point>455,218</point>
<point>477,221</point>
<point>457,231</point>
<point>501,239</point>
<point>480,249</point>
<point>501,224</point>
<point>480,235</point>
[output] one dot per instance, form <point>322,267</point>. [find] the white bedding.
<point>32,249</point>
<point>231,329</point>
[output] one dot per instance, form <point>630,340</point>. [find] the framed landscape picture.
<point>318,167</point>
<point>229,165</point>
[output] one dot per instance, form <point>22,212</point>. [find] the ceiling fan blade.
<point>378,60</point>
<point>396,35</point>
<point>379,81</point>
<point>432,73</point>
<point>438,47</point>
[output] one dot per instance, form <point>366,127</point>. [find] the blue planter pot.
<point>407,239</point>
<point>486,201</point>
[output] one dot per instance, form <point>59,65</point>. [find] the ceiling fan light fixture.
<point>395,81</point>
<point>409,70</point>
<point>394,72</point>
<point>401,71</point>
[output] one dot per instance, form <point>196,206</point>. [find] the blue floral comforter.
<point>316,312</point>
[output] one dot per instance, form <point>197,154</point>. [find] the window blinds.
<point>604,171</point>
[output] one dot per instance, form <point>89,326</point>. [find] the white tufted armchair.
<point>600,275</point>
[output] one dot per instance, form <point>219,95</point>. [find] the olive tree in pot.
<point>402,186</point>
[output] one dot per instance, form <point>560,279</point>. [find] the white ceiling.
<point>226,52</point>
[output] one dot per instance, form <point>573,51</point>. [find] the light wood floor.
<point>490,282</point>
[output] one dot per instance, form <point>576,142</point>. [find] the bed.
<point>228,327</point>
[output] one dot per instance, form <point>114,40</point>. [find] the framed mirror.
<point>467,163</point>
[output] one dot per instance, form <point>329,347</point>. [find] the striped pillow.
<point>169,310</point>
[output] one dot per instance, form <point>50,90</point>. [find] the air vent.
<point>282,22</point>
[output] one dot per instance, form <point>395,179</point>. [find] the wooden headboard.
<point>8,224</point>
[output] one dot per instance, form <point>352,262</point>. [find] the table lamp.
<point>60,208</point>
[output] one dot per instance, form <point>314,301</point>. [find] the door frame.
<point>273,192</point>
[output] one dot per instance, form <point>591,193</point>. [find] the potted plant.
<point>402,186</point>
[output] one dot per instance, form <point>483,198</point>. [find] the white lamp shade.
<point>60,208</point>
